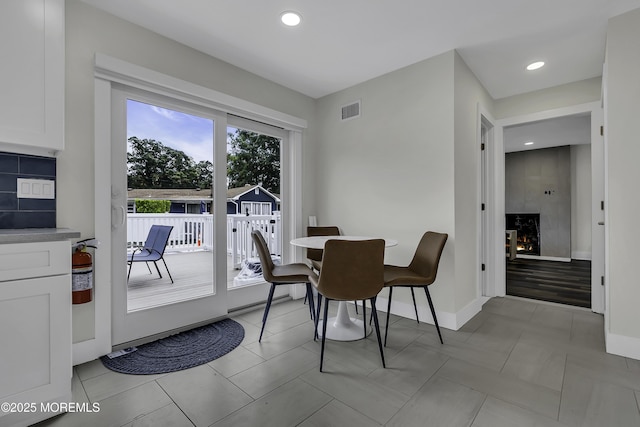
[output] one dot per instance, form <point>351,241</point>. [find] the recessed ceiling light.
<point>528,143</point>
<point>535,65</point>
<point>290,19</point>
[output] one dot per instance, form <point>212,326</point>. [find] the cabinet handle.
<point>600,222</point>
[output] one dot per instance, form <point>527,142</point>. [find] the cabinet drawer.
<point>29,260</point>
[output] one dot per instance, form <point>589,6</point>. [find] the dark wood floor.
<point>553,281</point>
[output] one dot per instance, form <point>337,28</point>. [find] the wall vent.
<point>350,111</point>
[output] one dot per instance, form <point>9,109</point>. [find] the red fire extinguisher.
<point>82,272</point>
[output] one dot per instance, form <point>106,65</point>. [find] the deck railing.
<point>193,232</point>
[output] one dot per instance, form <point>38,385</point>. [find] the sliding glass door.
<point>168,262</point>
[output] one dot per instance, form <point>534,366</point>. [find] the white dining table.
<point>343,327</point>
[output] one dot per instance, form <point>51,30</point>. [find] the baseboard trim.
<point>448,320</point>
<point>582,256</point>
<point>544,258</point>
<point>622,345</point>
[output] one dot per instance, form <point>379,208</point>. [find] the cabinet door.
<point>32,74</point>
<point>35,315</point>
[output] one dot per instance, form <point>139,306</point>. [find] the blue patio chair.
<point>153,249</point>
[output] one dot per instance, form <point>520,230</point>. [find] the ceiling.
<point>342,43</point>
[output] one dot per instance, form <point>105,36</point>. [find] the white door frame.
<point>487,192</point>
<point>598,256</point>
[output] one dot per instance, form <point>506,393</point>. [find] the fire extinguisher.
<point>82,271</point>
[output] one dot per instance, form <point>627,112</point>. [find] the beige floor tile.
<point>285,406</point>
<point>204,395</point>
<point>167,416</point>
<point>537,364</point>
<point>338,414</point>
<point>357,391</point>
<point>498,413</point>
<point>462,350</point>
<point>410,369</point>
<point>238,360</point>
<point>277,344</point>
<point>267,376</point>
<point>91,369</point>
<point>440,402</point>
<point>522,393</point>
<point>111,383</point>
<point>117,410</point>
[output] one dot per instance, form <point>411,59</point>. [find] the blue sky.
<point>191,134</point>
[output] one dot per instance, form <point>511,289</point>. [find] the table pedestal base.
<point>342,327</point>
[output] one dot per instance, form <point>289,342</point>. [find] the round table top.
<point>317,242</point>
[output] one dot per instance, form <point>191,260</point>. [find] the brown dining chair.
<point>315,255</point>
<point>351,270</point>
<point>420,273</point>
<point>285,274</point>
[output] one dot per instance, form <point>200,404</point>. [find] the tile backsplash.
<point>25,212</point>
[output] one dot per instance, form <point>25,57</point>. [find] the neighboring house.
<point>191,201</point>
<point>251,200</point>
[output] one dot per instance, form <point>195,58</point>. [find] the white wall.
<point>89,31</point>
<point>581,201</point>
<point>390,173</point>
<point>567,95</point>
<point>622,147</point>
<point>468,95</point>
<point>409,164</point>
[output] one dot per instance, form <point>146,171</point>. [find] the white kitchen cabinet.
<point>32,76</point>
<point>35,314</point>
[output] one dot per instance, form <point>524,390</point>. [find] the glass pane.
<point>169,224</point>
<point>253,202</point>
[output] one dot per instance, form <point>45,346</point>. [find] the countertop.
<point>32,235</point>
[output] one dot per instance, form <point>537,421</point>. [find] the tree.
<point>253,159</point>
<point>151,164</point>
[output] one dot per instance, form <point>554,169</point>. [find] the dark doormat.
<point>180,351</point>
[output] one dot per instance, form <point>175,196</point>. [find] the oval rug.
<point>180,351</point>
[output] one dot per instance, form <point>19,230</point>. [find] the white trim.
<point>544,258</point>
<point>88,350</point>
<point>119,71</point>
<point>623,345</point>
<point>493,252</point>
<point>582,256</point>
<point>448,320</point>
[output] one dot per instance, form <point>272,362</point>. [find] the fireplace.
<point>527,226</point>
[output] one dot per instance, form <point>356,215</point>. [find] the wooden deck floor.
<point>192,274</point>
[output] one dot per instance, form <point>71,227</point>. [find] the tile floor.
<point>517,363</point>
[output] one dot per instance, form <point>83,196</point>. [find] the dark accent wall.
<point>539,181</point>
<point>25,213</point>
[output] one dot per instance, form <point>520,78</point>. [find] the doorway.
<point>593,113</point>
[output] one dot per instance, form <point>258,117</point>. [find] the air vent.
<point>351,111</point>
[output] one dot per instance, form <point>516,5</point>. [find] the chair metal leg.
<point>433,313</point>
<point>148,268</point>
<point>266,309</point>
<point>168,272</point>
<point>129,273</point>
<point>157,269</point>
<point>324,331</point>
<point>415,306</point>
<point>356,304</point>
<point>377,325</point>
<point>315,330</point>
<point>309,296</point>
<point>364,316</point>
<point>386,326</point>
